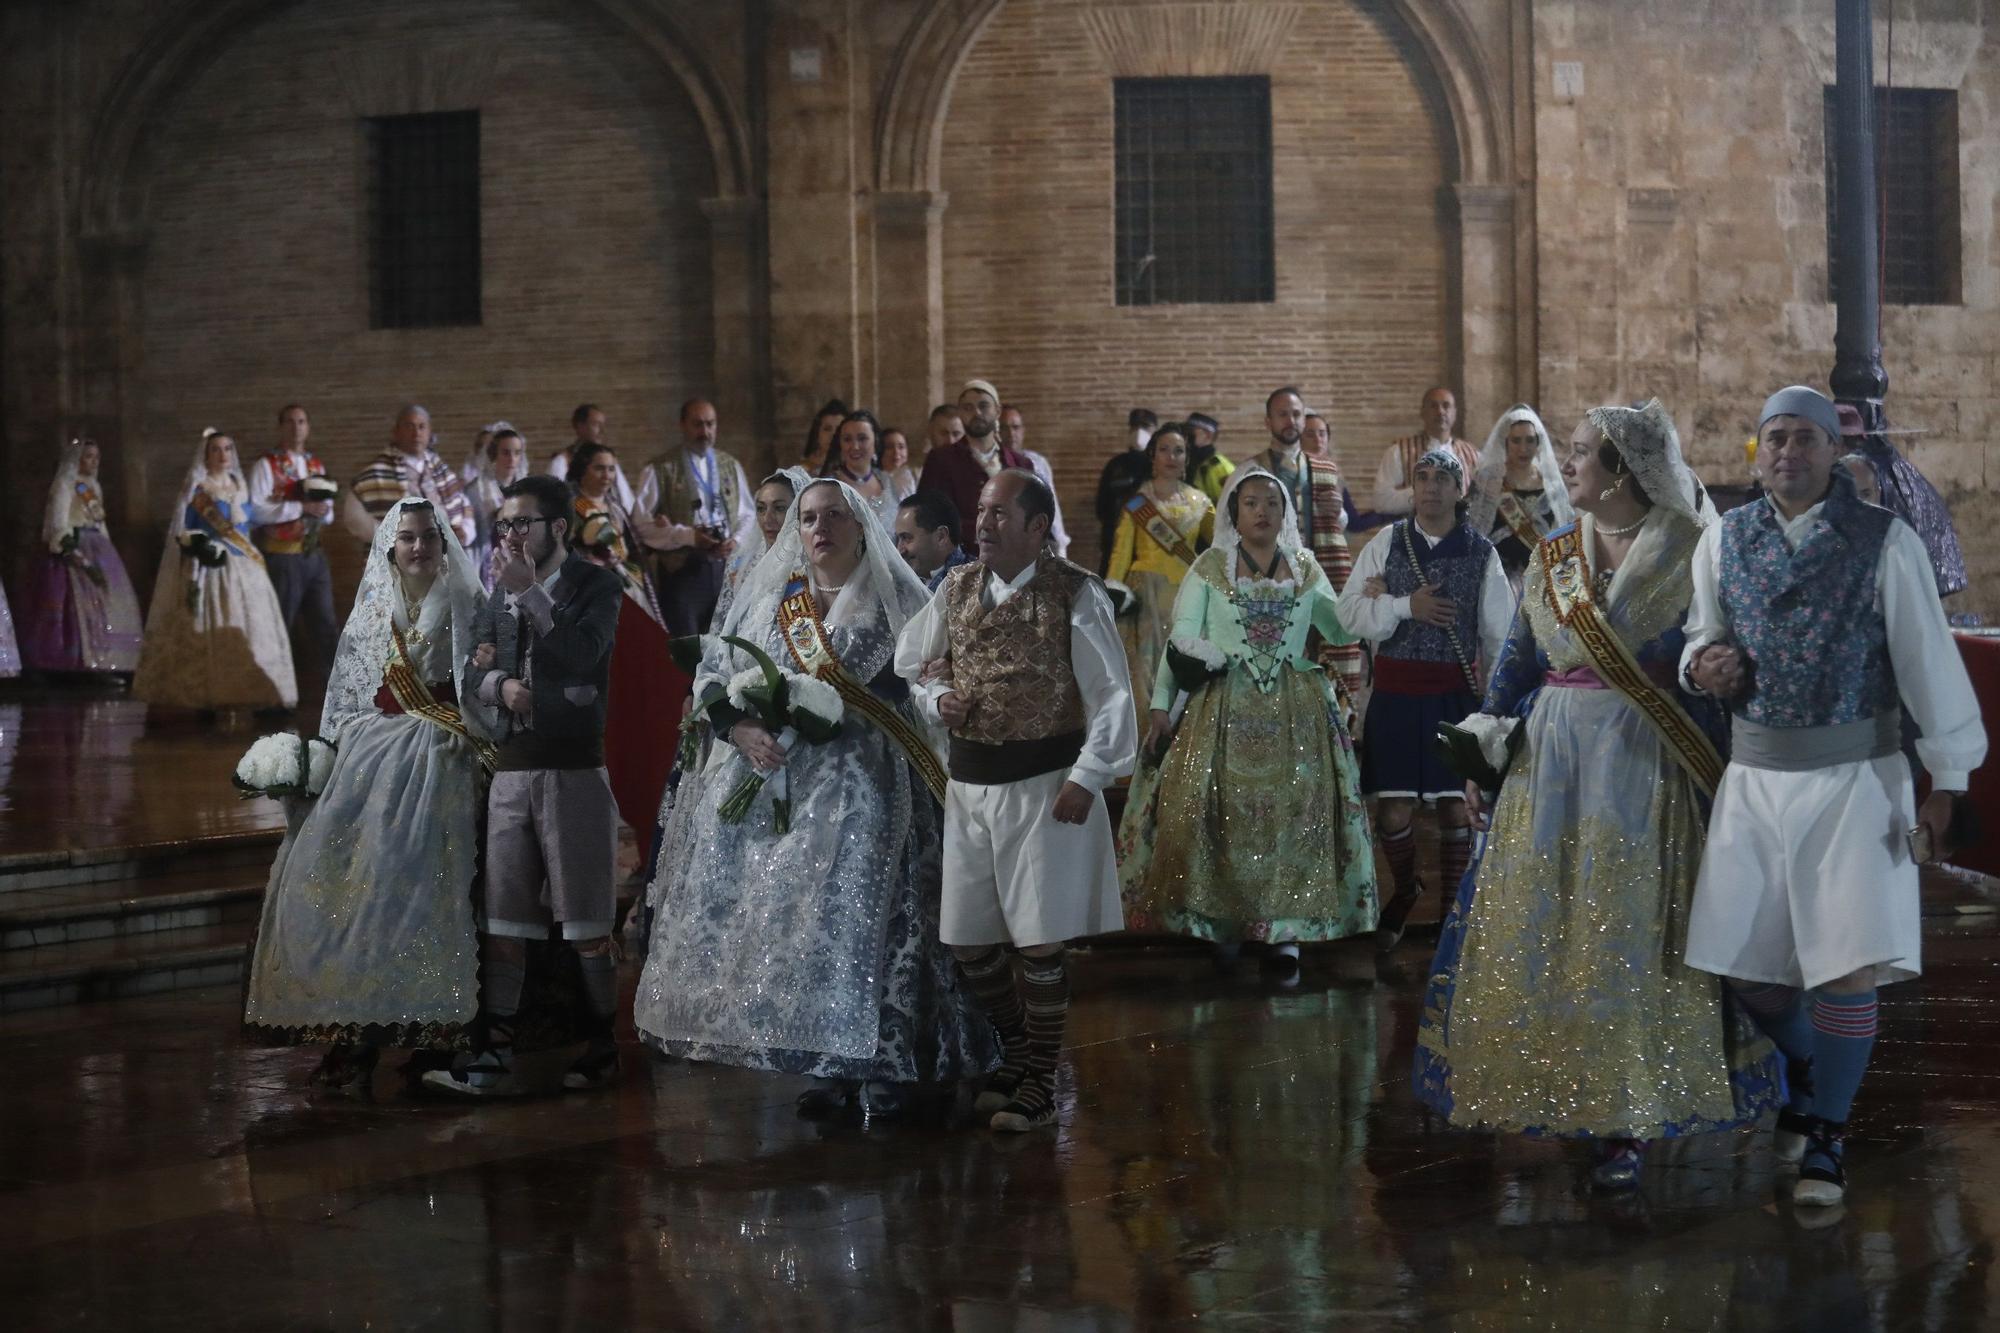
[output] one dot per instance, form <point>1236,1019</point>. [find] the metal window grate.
<point>423,220</point>
<point>1916,141</point>
<point>1194,218</point>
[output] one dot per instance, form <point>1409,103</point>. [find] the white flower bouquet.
<point>1194,662</point>
<point>286,764</point>
<point>793,707</point>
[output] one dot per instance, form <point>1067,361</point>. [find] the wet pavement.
<point>1231,1156</point>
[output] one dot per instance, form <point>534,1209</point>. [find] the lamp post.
<point>1858,377</point>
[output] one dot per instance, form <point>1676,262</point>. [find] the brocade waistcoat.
<point>1807,619</point>
<point>1457,565</point>
<point>680,491</point>
<point>1013,661</point>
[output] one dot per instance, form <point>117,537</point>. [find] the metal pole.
<point>1858,377</point>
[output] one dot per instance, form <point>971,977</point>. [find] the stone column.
<point>909,305</point>
<point>1484,337</point>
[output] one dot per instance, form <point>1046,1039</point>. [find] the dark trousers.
<point>305,599</point>
<point>689,594</point>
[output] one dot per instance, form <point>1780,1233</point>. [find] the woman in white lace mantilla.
<point>79,613</point>
<point>367,935</point>
<point>815,950</point>
<point>1517,494</point>
<point>1559,1003</point>
<point>215,637</point>
<point>1250,825</point>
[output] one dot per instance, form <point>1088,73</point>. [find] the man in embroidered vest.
<point>1019,656</point>
<point>543,668</point>
<point>410,466</point>
<point>960,470</point>
<point>1393,488</point>
<point>1208,469</point>
<point>1816,619</point>
<point>1318,499</point>
<point>285,525</point>
<point>1123,475</point>
<point>1430,593</point>
<point>699,486</point>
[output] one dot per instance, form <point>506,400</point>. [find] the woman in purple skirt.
<point>80,614</point>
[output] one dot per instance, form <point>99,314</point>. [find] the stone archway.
<point>114,222</point>
<point>1491,348</point>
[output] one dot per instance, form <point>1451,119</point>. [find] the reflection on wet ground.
<point>1230,1155</point>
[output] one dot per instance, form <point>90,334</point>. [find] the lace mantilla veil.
<point>881,585</point>
<point>170,554</point>
<point>1645,438</point>
<point>1229,541</point>
<point>444,617</point>
<point>1489,475</point>
<point>55,515</point>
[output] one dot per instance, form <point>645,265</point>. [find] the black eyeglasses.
<point>517,526</point>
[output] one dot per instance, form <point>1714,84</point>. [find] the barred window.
<point>423,220</point>
<point>1194,191</point>
<point>1916,145</point>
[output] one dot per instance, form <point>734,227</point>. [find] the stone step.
<point>226,852</point>
<point>37,918</point>
<point>121,966</point>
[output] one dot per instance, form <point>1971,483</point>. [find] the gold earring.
<point>1613,489</point>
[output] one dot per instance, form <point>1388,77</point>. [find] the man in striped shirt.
<point>410,466</point>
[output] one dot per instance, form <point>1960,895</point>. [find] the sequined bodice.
<point>1265,609</point>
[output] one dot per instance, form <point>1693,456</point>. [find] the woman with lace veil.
<point>813,948</point>
<point>773,502</point>
<point>215,637</point>
<point>367,937</point>
<point>80,614</point>
<point>1559,1004</point>
<point>1518,496</point>
<point>1245,822</point>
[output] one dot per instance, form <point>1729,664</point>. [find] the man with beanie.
<point>1816,620</point>
<point>1207,470</point>
<point>960,470</point>
<point>1430,593</point>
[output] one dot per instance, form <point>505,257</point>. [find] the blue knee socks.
<point>1843,1035</point>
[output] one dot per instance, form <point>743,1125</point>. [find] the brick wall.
<point>595,251</point>
<point>1359,319</point>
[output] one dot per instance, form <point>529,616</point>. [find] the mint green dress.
<point>1252,826</point>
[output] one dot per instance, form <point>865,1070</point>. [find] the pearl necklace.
<point>1603,531</point>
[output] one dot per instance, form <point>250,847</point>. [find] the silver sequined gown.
<point>815,952</point>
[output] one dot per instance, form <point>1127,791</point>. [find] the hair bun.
<point>210,431</point>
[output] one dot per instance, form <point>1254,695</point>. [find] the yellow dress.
<point>1144,566</point>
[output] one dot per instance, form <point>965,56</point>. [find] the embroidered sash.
<point>1159,528</point>
<point>1575,609</point>
<point>1451,630</point>
<point>1519,520</point>
<point>417,700</point>
<point>219,526</point>
<point>805,636</point>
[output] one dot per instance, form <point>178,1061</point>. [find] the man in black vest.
<point>543,665</point>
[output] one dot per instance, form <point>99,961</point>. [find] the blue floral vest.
<point>1458,566</point>
<point>1807,618</point>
